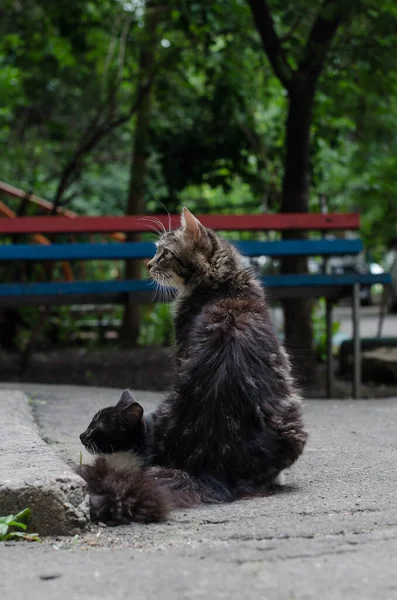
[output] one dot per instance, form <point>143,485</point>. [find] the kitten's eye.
<point>164,254</point>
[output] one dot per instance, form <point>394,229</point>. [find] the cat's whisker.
<point>158,290</point>
<point>162,225</point>
<point>155,291</point>
<point>95,406</point>
<point>154,225</point>
<point>164,285</point>
<point>150,219</point>
<point>157,226</point>
<point>161,291</point>
<point>156,222</point>
<point>156,234</point>
<point>99,452</point>
<point>169,288</point>
<point>169,216</point>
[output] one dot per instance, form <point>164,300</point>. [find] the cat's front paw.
<point>280,479</point>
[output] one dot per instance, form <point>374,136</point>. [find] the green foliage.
<point>319,329</point>
<point>14,527</point>
<point>64,327</point>
<point>218,111</point>
<point>157,328</point>
<point>217,118</point>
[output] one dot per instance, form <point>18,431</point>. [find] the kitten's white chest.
<point>123,461</point>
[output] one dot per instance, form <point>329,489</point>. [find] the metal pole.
<point>330,357</point>
<point>356,342</point>
<point>383,308</point>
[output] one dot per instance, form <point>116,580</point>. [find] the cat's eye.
<point>164,253</point>
<point>175,256</point>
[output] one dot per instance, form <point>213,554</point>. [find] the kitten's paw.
<point>280,479</point>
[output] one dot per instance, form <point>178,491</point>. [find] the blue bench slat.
<point>76,287</point>
<point>300,247</point>
<point>77,251</point>
<point>324,280</point>
<point>141,250</point>
<point>125,286</point>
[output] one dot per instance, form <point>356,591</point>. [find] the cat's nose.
<point>149,265</point>
<point>83,438</point>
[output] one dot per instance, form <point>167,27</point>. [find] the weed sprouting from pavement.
<point>14,527</point>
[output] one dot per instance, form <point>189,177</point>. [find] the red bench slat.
<point>259,222</point>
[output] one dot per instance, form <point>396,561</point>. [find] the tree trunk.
<point>295,198</point>
<point>10,322</point>
<point>300,83</point>
<point>136,194</point>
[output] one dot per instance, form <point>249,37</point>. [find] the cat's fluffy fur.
<point>233,420</point>
<point>123,494</point>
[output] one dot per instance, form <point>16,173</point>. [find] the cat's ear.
<point>125,400</point>
<point>128,405</point>
<point>135,411</point>
<point>191,225</point>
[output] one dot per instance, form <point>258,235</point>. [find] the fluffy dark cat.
<point>233,420</point>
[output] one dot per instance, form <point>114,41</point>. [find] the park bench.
<point>279,286</point>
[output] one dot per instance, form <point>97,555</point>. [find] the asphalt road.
<point>331,533</point>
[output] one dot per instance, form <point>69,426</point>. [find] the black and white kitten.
<point>233,420</point>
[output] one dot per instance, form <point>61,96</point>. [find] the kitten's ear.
<point>191,225</point>
<point>125,400</point>
<point>128,405</point>
<point>135,411</point>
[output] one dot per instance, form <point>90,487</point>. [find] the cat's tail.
<point>144,495</point>
<point>123,495</point>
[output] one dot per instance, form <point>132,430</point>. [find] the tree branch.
<point>323,31</point>
<point>292,29</point>
<point>270,41</point>
<point>93,135</point>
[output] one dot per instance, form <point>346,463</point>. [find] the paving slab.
<point>32,475</point>
<point>331,533</point>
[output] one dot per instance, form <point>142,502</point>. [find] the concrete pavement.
<point>32,475</point>
<point>330,533</point>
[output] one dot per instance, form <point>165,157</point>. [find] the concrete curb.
<point>32,475</point>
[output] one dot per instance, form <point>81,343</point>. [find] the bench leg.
<point>356,342</point>
<point>330,357</point>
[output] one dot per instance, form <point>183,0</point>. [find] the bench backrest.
<point>144,223</point>
<point>142,250</point>
<point>115,228</point>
